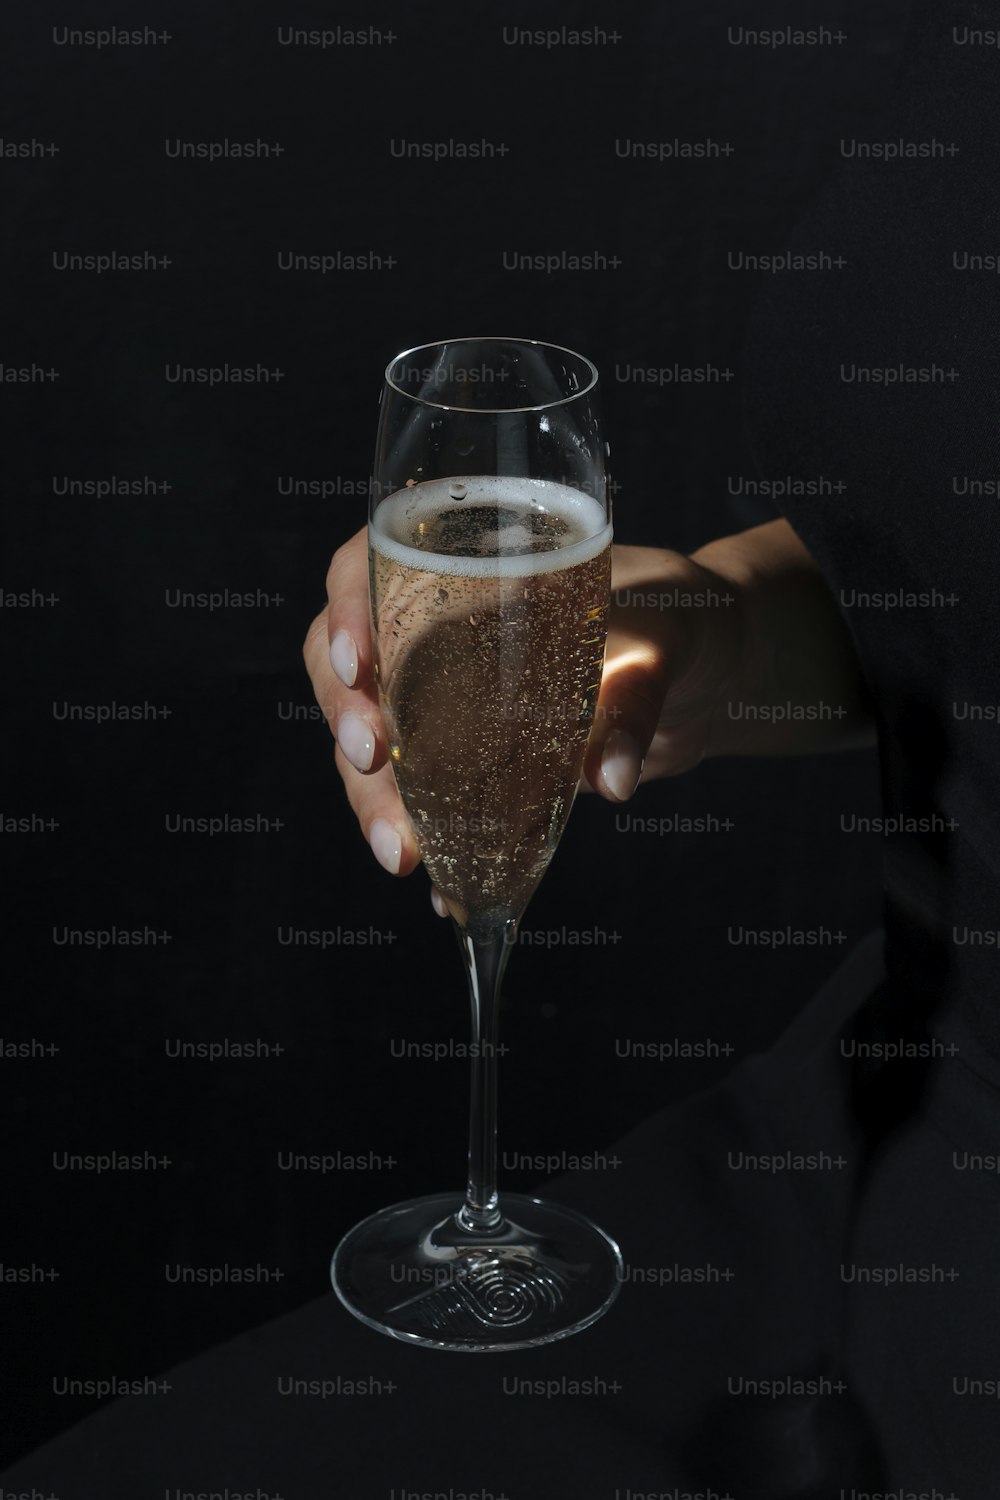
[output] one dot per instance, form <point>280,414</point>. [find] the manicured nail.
<point>621,764</point>
<point>357,741</point>
<point>437,901</point>
<point>387,846</point>
<point>344,657</point>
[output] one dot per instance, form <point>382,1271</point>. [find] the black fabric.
<point>904,518</point>
<point>862,1397</point>
<point>902,1180</point>
<point>768,1242</point>
<point>902,524</point>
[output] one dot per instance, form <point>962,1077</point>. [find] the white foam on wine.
<point>396,517</point>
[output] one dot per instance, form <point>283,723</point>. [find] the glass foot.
<point>414,1273</point>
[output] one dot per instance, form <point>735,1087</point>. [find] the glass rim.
<point>493,338</point>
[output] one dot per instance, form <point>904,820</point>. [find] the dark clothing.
<point>899,515</point>
<point>907,534</point>
<point>812,1304</point>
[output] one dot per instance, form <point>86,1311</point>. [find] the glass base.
<point>413,1272</point>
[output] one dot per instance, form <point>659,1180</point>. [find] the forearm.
<point>797,684</point>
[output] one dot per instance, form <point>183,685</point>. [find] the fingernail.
<point>437,901</point>
<point>357,741</point>
<point>386,844</point>
<point>621,764</point>
<point>344,657</point>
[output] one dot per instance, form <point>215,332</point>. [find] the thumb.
<point>659,697</point>
<point>666,668</point>
<point>628,712</point>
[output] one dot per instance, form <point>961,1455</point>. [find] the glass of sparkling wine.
<point>490,574</point>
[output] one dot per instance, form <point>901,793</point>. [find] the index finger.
<point>348,615</point>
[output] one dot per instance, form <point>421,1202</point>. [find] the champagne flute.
<point>490,576</point>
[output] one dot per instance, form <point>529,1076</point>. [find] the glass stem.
<point>485,953</point>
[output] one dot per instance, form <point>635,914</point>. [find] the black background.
<point>239,738</point>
